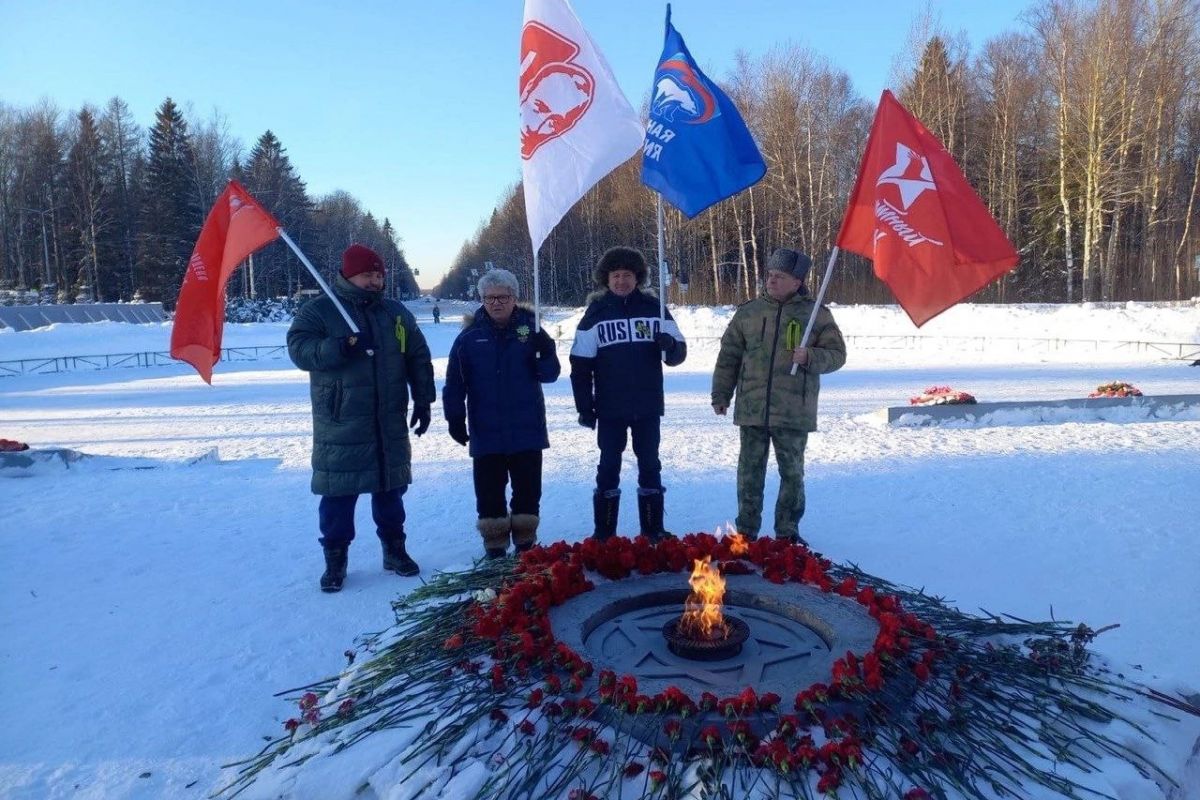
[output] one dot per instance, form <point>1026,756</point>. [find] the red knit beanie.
<point>359,259</point>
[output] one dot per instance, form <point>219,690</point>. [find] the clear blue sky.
<point>411,106</point>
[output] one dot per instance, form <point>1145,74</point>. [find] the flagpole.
<point>537,305</point>
<point>662,264</point>
<point>812,318</point>
<point>320,281</point>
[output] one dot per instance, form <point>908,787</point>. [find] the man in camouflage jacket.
<point>774,406</point>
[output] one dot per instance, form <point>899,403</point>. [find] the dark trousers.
<point>492,474</point>
<point>337,517</point>
<point>611,436</point>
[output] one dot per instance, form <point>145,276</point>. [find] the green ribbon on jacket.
<point>401,335</point>
<point>793,334</point>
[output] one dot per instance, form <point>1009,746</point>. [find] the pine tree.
<point>269,176</point>
<point>89,210</point>
<point>121,151</point>
<point>170,219</point>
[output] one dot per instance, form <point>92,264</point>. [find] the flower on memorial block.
<point>1116,389</point>
<point>941,396</point>
<point>711,737</point>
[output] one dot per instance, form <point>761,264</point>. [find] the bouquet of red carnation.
<point>1116,389</point>
<point>941,396</point>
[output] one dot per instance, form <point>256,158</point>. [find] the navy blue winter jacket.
<point>616,366</point>
<point>493,381</point>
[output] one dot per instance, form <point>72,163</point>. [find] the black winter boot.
<point>335,569</point>
<point>396,559</point>
<point>650,515</point>
<point>605,506</point>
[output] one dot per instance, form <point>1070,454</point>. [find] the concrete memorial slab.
<point>1147,408</point>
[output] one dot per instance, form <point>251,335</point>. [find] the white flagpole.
<point>537,306</point>
<point>662,264</point>
<point>320,281</point>
<point>812,318</point>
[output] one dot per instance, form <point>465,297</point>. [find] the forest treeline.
<point>1080,131</point>
<point>94,207</point>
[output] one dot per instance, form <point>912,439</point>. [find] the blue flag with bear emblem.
<point>698,150</point>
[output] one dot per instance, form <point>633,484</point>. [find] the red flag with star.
<point>931,238</point>
<point>235,227</point>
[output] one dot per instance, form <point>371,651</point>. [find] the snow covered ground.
<point>147,616</point>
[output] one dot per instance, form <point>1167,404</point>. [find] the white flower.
<point>485,595</point>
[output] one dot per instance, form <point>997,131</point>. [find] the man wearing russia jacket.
<point>616,377</point>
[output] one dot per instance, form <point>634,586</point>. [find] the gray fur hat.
<point>620,258</point>
<point>792,262</point>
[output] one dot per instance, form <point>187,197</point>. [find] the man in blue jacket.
<point>493,400</point>
<point>616,376</point>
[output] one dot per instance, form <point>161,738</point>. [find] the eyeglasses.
<point>497,298</point>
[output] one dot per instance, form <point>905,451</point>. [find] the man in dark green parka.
<point>360,387</point>
<point>775,406</point>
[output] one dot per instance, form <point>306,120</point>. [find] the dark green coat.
<point>360,403</point>
<point>755,359</point>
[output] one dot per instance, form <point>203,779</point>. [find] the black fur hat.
<point>620,258</point>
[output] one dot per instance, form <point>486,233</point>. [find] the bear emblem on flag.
<point>680,92</point>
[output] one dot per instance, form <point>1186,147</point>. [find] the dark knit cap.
<point>792,262</point>
<point>620,258</point>
<point>358,259</point>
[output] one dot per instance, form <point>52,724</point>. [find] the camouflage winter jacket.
<point>360,403</point>
<point>756,360</point>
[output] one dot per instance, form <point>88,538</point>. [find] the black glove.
<point>543,344</point>
<point>357,344</point>
<point>458,431</point>
<point>587,419</point>
<point>420,418</point>
<point>665,341</point>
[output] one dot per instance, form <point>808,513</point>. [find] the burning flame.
<point>702,618</point>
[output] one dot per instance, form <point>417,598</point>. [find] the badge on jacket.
<point>523,333</point>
